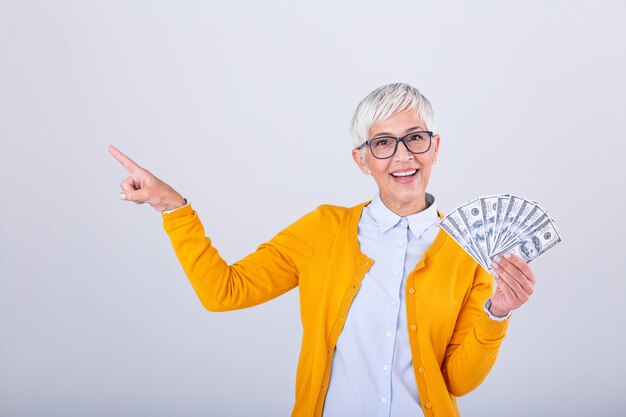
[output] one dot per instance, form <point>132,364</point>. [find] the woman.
<point>397,318</point>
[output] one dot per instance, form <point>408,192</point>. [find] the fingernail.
<point>507,255</point>
<point>497,258</point>
<point>122,196</point>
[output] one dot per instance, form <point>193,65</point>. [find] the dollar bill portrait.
<point>530,248</point>
<point>397,318</point>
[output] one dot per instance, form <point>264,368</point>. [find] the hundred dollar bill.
<point>460,235</point>
<point>532,221</point>
<point>500,210</point>
<point>472,216</point>
<point>488,226</point>
<point>533,245</point>
<point>509,235</point>
<point>536,224</point>
<point>457,222</point>
<point>521,226</point>
<point>512,208</point>
<point>488,207</point>
<point>457,219</point>
<point>454,230</point>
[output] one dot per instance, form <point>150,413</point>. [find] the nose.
<point>403,153</point>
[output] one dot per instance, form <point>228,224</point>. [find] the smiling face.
<point>403,178</point>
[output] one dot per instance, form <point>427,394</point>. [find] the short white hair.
<point>385,102</point>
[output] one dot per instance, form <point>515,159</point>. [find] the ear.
<point>359,159</point>
<point>436,141</point>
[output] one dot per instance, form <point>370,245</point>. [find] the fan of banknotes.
<point>489,226</point>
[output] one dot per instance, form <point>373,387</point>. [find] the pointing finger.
<point>126,162</point>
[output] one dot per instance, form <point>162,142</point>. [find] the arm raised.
<point>268,272</point>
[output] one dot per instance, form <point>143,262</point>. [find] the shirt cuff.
<point>491,316</point>
<point>178,208</point>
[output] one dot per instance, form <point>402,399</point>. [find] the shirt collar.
<point>418,222</point>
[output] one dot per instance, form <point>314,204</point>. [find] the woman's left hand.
<point>516,282</point>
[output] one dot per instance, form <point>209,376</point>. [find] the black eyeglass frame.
<point>398,140</point>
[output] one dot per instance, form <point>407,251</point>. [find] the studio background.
<point>244,108</point>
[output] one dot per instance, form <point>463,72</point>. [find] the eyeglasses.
<point>384,147</point>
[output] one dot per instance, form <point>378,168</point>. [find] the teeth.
<point>404,174</point>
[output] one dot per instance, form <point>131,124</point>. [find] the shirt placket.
<point>398,257</point>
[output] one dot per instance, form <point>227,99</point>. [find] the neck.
<point>404,209</point>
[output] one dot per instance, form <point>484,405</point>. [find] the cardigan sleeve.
<point>270,271</point>
<point>473,348</point>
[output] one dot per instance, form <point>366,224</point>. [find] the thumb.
<point>137,196</point>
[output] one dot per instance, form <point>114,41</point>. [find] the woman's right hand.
<point>143,187</point>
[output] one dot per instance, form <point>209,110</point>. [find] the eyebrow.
<point>410,129</point>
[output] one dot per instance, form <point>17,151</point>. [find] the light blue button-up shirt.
<point>372,370</point>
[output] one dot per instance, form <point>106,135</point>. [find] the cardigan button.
<point>420,370</point>
<point>429,405</point>
<point>411,290</point>
<point>413,327</point>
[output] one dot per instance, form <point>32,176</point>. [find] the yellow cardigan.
<point>454,343</point>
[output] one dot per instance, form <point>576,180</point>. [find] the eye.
<point>416,137</point>
<point>380,142</point>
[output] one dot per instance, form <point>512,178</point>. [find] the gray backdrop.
<point>244,108</point>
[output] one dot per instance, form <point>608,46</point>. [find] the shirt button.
<point>413,327</point>
<point>400,243</point>
<point>384,401</point>
<point>420,370</point>
<point>389,334</point>
<point>385,367</point>
<point>394,303</point>
<point>411,290</point>
<point>429,405</point>
<point>396,274</point>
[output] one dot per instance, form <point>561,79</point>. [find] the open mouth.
<point>404,174</point>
